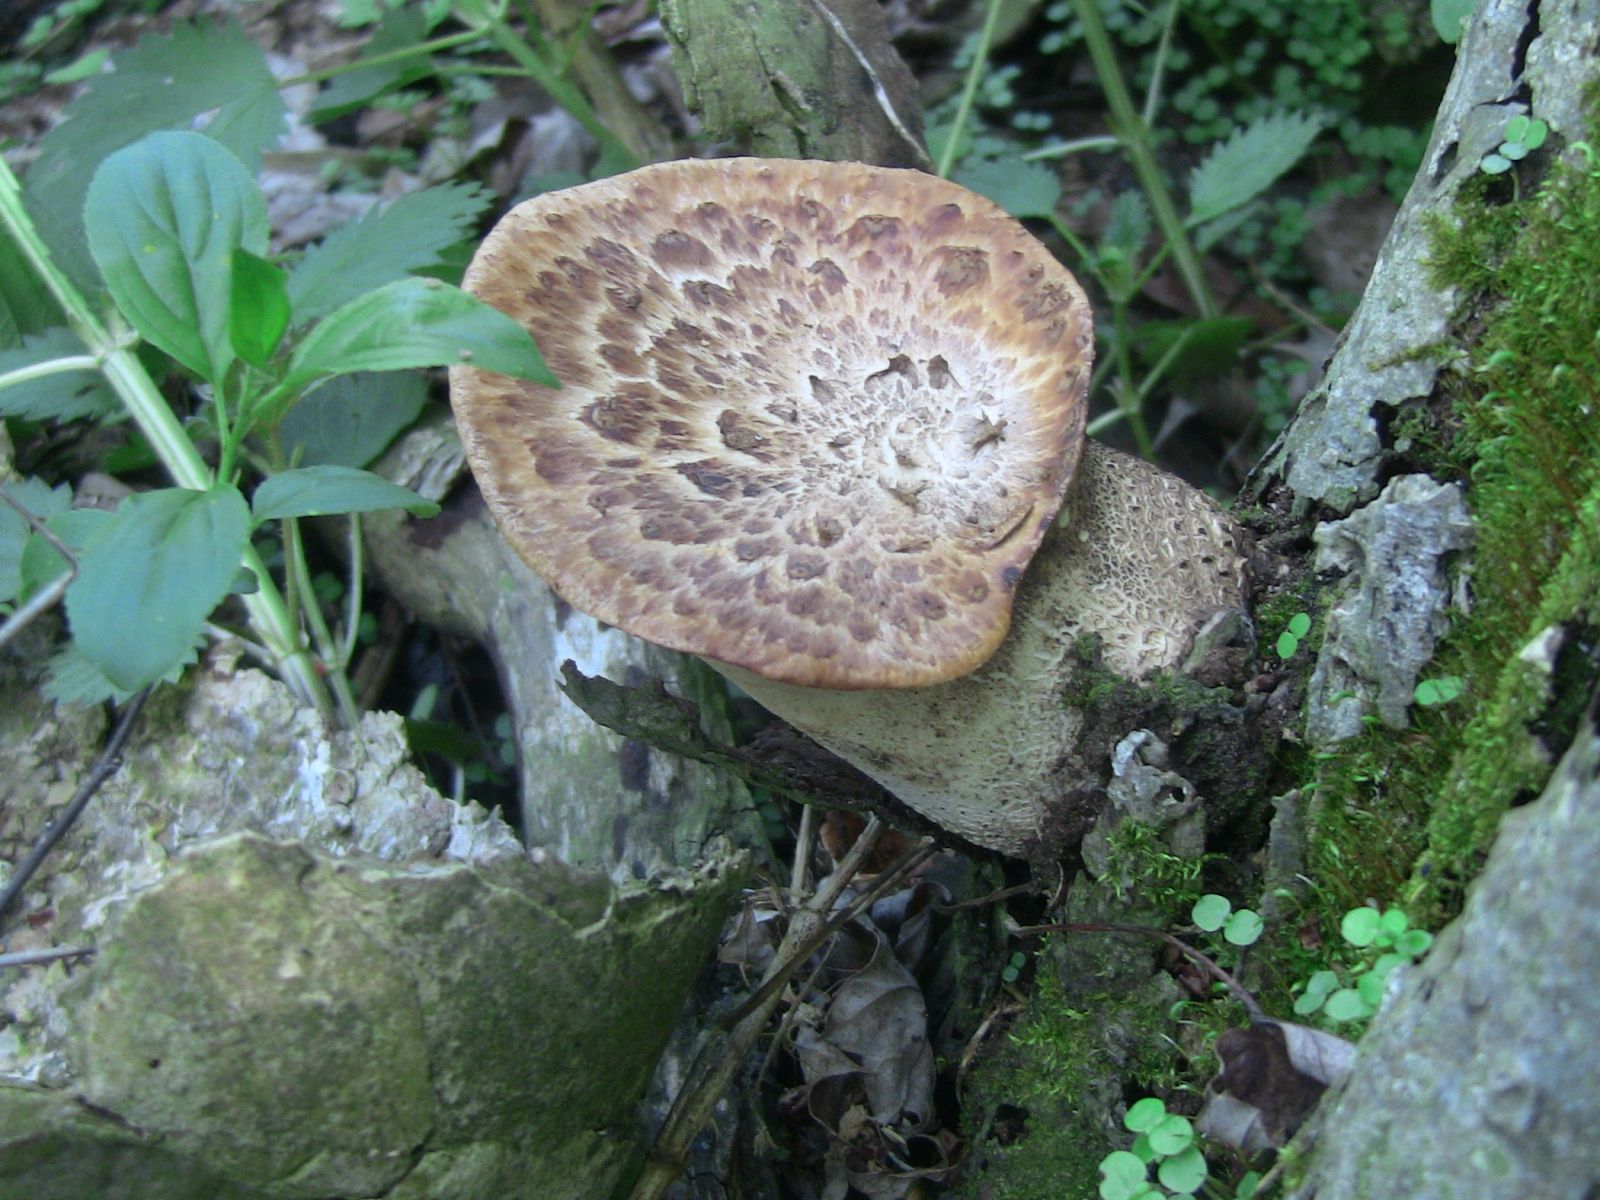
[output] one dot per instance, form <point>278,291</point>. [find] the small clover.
<point>1523,134</point>
<point>1433,692</point>
<point>1289,640</point>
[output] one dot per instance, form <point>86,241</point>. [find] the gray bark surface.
<point>1480,1080</point>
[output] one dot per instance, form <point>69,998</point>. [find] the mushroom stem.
<point>1136,559</point>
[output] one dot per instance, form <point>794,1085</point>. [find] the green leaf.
<point>44,502</point>
<point>1360,926</point>
<point>1450,18</point>
<point>1517,127</point>
<point>1122,1176</point>
<point>165,216</point>
<point>1144,1115</point>
<point>67,396</point>
<point>1240,169</point>
<point>1243,928</point>
<point>25,306</point>
<point>1494,164</point>
<point>321,491</point>
<point>416,323</point>
<point>1204,347</point>
<point>1128,227</point>
<point>42,562</point>
<point>70,678</point>
<point>1173,1135</point>
<point>351,419</point>
<point>385,245</point>
<point>1431,692</point>
<point>258,307</point>
<point>1533,137</point>
<point>358,86</point>
<point>1321,983</point>
<point>1347,1005</point>
<point>80,69</point>
<point>1308,1003</point>
<point>149,578</point>
<point>1184,1172</point>
<point>162,83</point>
<point>1300,624</point>
<point>1287,644</point>
<point>1210,911</point>
<point>1414,943</point>
<point>1023,189</point>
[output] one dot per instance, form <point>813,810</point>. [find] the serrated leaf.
<point>70,678</point>
<point>383,246</point>
<point>44,502</point>
<point>1127,229</point>
<point>1023,189</point>
<point>1240,169</point>
<point>351,419</point>
<point>325,490</point>
<point>151,576</point>
<point>164,82</point>
<point>41,560</point>
<point>258,307</point>
<point>165,217</point>
<point>416,323</point>
<point>63,397</point>
<point>352,89</point>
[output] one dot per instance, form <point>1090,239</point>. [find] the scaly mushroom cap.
<point>816,417</point>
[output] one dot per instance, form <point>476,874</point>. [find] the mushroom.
<point>817,420</point>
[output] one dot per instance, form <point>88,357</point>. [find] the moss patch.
<point>1412,817</point>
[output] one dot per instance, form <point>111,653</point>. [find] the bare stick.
<point>110,760</point>
<point>29,958</point>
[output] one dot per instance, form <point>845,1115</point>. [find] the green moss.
<point>1049,1107</point>
<point>1411,816</point>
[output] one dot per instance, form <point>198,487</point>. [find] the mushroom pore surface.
<point>815,417</point>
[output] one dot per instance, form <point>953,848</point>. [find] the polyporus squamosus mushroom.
<point>817,419</point>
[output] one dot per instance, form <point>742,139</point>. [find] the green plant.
<point>1430,693</point>
<point>1168,1142</point>
<point>1216,914</point>
<point>1353,992</point>
<point>1523,135</point>
<point>1288,644</point>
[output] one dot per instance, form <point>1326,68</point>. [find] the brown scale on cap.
<point>816,417</point>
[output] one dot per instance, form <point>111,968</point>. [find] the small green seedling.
<point>1168,1142</point>
<point>1430,693</point>
<point>1388,935</point>
<point>1012,971</point>
<point>1523,135</point>
<point>1289,640</point>
<point>1213,913</point>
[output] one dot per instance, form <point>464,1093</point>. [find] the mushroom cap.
<point>815,417</point>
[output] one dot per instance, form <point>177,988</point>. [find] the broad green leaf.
<point>1172,1135</point>
<point>1198,347</point>
<point>70,678</point>
<point>25,307</point>
<point>383,246</point>
<point>1184,1172</point>
<point>42,562</point>
<point>416,323</point>
<point>165,82</point>
<point>1023,189</point>
<point>1347,1005</point>
<point>1450,18</point>
<point>165,216</point>
<point>258,307</point>
<point>63,397</point>
<point>1360,926</point>
<point>1145,1114</point>
<point>44,502</point>
<point>1240,169</point>
<point>351,419</point>
<point>1210,911</point>
<point>351,89</point>
<point>1122,1175</point>
<point>321,491</point>
<point>1243,928</point>
<point>1300,624</point>
<point>1288,645</point>
<point>150,577</point>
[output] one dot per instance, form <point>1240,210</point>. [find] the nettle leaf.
<point>258,307</point>
<point>417,323</point>
<point>1240,169</point>
<point>325,490</point>
<point>165,82</point>
<point>351,419</point>
<point>1023,189</point>
<point>165,217</point>
<point>63,397</point>
<point>149,578</point>
<point>349,90</point>
<point>44,502</point>
<point>25,306</point>
<point>383,246</point>
<point>41,562</point>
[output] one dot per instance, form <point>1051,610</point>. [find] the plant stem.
<point>43,370</point>
<point>161,428</point>
<point>969,90</point>
<point>1127,124</point>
